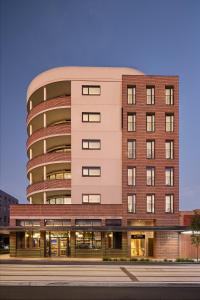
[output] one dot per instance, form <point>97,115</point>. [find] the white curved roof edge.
<point>80,73</point>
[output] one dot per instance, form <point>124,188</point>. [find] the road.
<point>99,281</point>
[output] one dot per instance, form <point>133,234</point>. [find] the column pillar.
<point>30,200</point>
<point>45,146</point>
<point>45,173</point>
<point>30,153</point>
<point>44,197</point>
<point>30,178</point>
<point>30,105</point>
<point>30,130</point>
<point>45,120</point>
<point>45,93</point>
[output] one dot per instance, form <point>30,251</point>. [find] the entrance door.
<point>59,246</point>
<point>138,245</point>
<point>54,247</point>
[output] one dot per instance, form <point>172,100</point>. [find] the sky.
<point>158,37</point>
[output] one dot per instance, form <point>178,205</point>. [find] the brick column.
<point>72,243</point>
<point>42,244</point>
<point>13,244</point>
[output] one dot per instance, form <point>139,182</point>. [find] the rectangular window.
<point>131,149</point>
<point>150,144</point>
<point>88,222</point>
<point>91,198</point>
<point>150,122</point>
<point>91,171</point>
<point>91,117</point>
<point>131,176</point>
<point>169,95</point>
<point>91,90</point>
<point>131,92</point>
<point>131,121</point>
<point>132,203</point>
<point>57,222</point>
<point>169,122</point>
<point>150,95</point>
<point>115,240</point>
<point>30,223</point>
<point>150,171</point>
<point>169,176</point>
<point>91,144</point>
<point>150,203</point>
<point>87,240</point>
<point>169,203</point>
<point>169,149</point>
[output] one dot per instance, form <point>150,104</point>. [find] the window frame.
<point>88,115</point>
<point>133,176</point>
<point>152,95</point>
<point>89,202</point>
<point>89,168</point>
<point>171,176</point>
<point>152,175</point>
<point>133,150</point>
<point>171,95</point>
<point>90,141</point>
<point>132,198</point>
<point>133,123</point>
<point>133,94</point>
<point>89,86</point>
<point>152,123</point>
<point>152,204</point>
<point>171,204</point>
<point>171,123</point>
<point>152,149</point>
<point>171,149</point>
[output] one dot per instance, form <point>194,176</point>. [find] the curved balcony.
<point>48,158</point>
<point>47,185</point>
<point>54,130</point>
<point>59,102</point>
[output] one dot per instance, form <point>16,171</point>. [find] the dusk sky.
<point>157,37</point>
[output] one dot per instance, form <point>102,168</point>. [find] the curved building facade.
<point>103,164</point>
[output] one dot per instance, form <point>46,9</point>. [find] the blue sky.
<point>157,37</point>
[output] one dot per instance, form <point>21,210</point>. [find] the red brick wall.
<point>49,184</point>
<point>159,108</point>
<point>166,245</point>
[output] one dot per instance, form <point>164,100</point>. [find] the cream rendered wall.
<point>109,158</point>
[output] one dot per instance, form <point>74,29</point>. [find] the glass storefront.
<point>142,244</point>
<point>57,243</point>
<point>88,240</point>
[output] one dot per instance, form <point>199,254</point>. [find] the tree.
<point>195,226</point>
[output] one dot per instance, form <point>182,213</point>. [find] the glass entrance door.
<point>58,244</point>
<point>138,245</point>
<point>54,247</point>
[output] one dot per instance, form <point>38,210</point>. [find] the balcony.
<point>62,184</point>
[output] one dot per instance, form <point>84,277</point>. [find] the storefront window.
<point>115,240</point>
<point>88,240</point>
<point>28,240</point>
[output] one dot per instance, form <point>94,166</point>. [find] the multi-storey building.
<point>103,165</point>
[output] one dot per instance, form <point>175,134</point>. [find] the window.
<point>150,144</point>
<point>169,149</point>
<point>169,95</point>
<point>30,223</point>
<point>169,122</point>
<point>169,203</point>
<point>88,240</point>
<point>150,122</point>
<point>169,176</point>
<point>88,222</point>
<point>132,203</point>
<point>150,203</point>
<point>150,95</point>
<point>91,117</point>
<point>28,240</point>
<point>59,200</point>
<point>131,149</point>
<point>91,90</point>
<point>91,171</point>
<point>115,240</point>
<point>131,90</point>
<point>150,176</point>
<point>113,222</point>
<point>131,121</point>
<point>57,222</point>
<point>91,144</point>
<point>91,198</point>
<point>64,174</point>
<point>131,175</point>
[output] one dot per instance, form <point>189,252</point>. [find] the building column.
<point>45,93</point>
<point>30,130</point>
<point>30,200</point>
<point>45,120</point>
<point>30,153</point>
<point>30,178</point>
<point>45,173</point>
<point>72,244</point>
<point>45,146</point>
<point>30,105</point>
<point>13,243</point>
<point>42,244</point>
<point>45,198</point>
